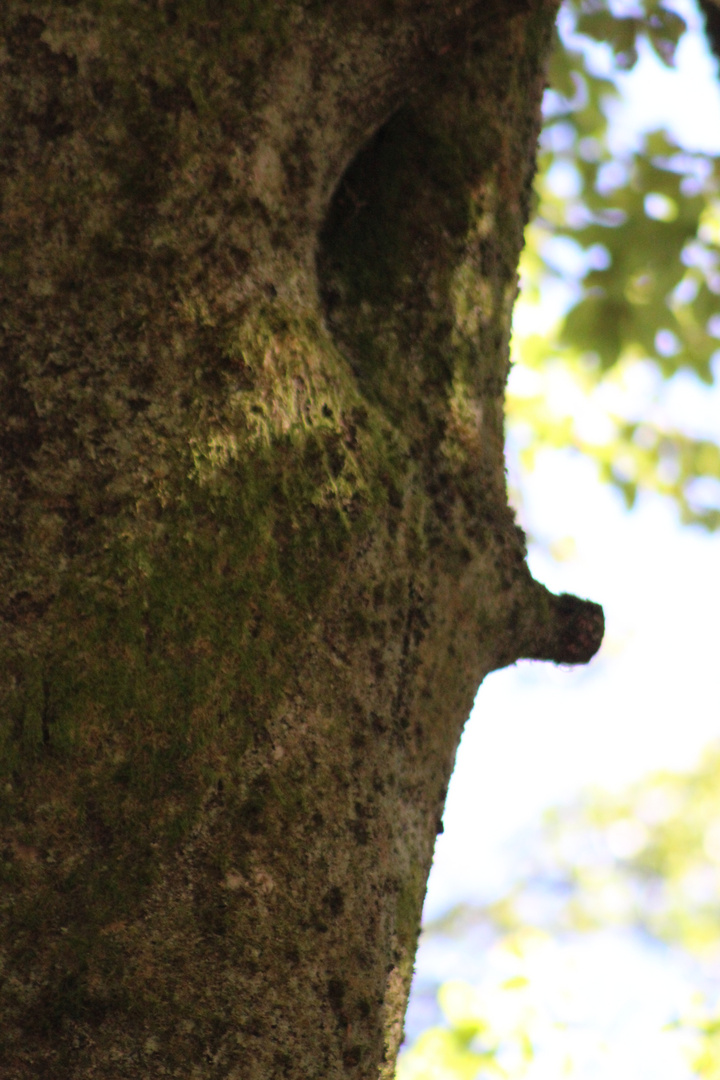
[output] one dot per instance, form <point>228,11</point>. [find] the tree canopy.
<point>632,237</point>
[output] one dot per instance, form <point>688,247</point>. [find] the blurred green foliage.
<point>632,237</point>
<point>646,863</point>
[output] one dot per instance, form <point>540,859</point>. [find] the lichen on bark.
<point>258,266</point>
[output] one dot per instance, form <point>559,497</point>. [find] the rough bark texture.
<point>258,261</point>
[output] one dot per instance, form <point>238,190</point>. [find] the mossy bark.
<point>258,261</point>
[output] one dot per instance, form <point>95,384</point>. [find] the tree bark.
<point>258,262</point>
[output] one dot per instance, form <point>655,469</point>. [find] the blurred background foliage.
<point>645,862</point>
<point>620,290</point>
<point>625,248</point>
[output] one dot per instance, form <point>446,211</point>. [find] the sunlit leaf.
<point>634,242</point>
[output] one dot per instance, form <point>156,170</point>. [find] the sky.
<point>539,734</point>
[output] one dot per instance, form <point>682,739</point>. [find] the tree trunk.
<point>258,263</point>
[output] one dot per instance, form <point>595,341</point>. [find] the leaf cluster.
<point>629,241</point>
